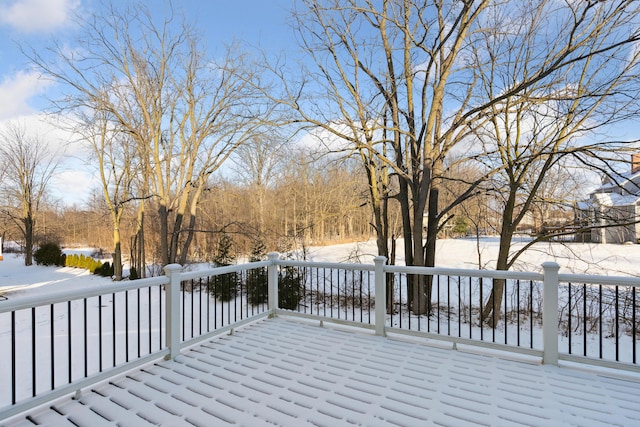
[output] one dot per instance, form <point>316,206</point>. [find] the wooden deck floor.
<point>288,373</point>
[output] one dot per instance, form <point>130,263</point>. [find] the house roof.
<point>621,180</point>
<point>284,372</point>
<point>614,199</point>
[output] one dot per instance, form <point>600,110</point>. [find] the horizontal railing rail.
<point>57,344</point>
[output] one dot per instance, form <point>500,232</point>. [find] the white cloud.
<point>31,16</point>
<point>15,92</point>
<point>73,186</point>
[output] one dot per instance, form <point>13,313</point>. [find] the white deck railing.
<point>52,346</point>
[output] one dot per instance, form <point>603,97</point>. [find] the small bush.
<point>257,291</point>
<point>105,270</point>
<point>133,274</point>
<point>224,287</point>
<point>71,260</point>
<point>48,254</point>
<point>290,290</point>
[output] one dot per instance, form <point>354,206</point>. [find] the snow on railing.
<point>55,346</point>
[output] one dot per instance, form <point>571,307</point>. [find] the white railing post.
<point>272,280</point>
<point>550,313</point>
<point>381,294</point>
<point>172,308</point>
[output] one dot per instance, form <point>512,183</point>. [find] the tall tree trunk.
<point>142,262</point>
<point>403,198</point>
<point>175,237</point>
<point>420,300</point>
<point>163,216</point>
<point>117,253</point>
<point>492,308</point>
<point>188,240</point>
<point>390,279</point>
<point>29,225</point>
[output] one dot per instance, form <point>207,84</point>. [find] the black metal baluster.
<point>437,302</point>
<point>13,357</point>
<point>53,347</point>
<point>531,312</point>
<point>470,307</point>
<point>99,333</point>
<point>150,328</point>
<point>569,332</point>
<point>208,301</point>
<point>192,307</point>
<point>86,347</point>
<point>126,325</point>
<point>506,281</point>
<point>138,326</point>
<point>324,292</point>
<point>33,351</point>
<point>459,308</point>
<point>633,324</point>
<point>331,285</point>
<point>448,305</point>
<point>184,311</point>
<point>584,327</point>
<point>518,310</point>
<point>113,327</point>
<point>159,317</point>
<point>215,304</point>
<point>353,295</point>
<point>617,324</point>
<point>480,312</point>
<point>311,292</point>
<point>200,304</point>
<point>600,318</point>
<point>70,375</point>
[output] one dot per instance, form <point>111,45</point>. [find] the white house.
<point>617,201</point>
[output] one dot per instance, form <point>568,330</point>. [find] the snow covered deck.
<point>288,372</point>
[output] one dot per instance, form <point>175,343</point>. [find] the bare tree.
<point>28,164</point>
<point>418,70</point>
<point>258,163</point>
<point>184,111</point>
<point>117,168</point>
<point>586,78</point>
<point>387,69</point>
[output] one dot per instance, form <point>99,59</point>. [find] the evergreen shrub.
<point>290,290</point>
<point>48,254</point>
<point>257,279</point>
<point>105,270</point>
<point>224,287</point>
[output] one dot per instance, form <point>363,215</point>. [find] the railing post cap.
<point>551,265</point>
<point>169,268</point>
<point>380,259</point>
<point>273,256</point>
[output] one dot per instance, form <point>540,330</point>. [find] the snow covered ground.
<point>467,253</point>
<point>16,280</point>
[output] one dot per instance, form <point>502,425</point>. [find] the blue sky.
<point>35,23</point>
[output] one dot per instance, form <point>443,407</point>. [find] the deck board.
<point>289,373</point>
